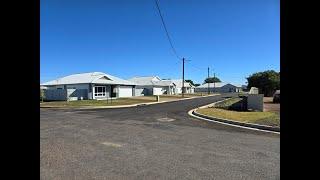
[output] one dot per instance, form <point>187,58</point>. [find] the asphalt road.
<point>152,142</point>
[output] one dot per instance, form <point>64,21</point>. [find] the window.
<point>100,91</point>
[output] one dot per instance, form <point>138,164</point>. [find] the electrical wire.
<point>167,33</point>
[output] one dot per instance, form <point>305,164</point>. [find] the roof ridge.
<point>142,76</point>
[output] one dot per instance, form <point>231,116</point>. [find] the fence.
<point>65,94</point>
<point>255,101</point>
<point>55,94</point>
<point>77,94</point>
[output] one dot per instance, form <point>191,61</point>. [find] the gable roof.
<point>92,77</point>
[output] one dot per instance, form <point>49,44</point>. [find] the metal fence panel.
<point>77,94</point>
<point>55,94</point>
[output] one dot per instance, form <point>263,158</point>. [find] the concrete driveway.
<point>152,142</point>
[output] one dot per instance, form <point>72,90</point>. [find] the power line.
<point>167,33</point>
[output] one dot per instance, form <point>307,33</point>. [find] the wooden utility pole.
<point>208,82</point>
<point>182,90</point>
<point>214,82</point>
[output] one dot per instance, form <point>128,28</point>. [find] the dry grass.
<point>114,102</point>
<point>264,118</point>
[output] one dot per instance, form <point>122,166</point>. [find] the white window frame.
<point>100,94</point>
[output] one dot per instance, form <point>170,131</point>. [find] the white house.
<point>93,85</point>
<point>152,85</point>
<point>219,87</point>
<point>188,86</point>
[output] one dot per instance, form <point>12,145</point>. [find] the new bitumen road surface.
<point>158,141</point>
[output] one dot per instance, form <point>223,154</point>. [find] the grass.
<point>227,103</point>
<point>263,118</point>
<point>186,95</point>
<point>115,102</point>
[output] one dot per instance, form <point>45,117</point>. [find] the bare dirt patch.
<point>269,106</point>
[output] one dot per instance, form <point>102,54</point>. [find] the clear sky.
<point>125,38</point>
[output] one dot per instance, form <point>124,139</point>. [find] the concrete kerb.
<point>230,122</point>
<point>127,106</point>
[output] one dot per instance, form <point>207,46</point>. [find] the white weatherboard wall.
<point>157,91</point>
<point>125,91</point>
<point>139,91</point>
<point>178,90</point>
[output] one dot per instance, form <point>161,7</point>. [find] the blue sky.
<point>125,38</point>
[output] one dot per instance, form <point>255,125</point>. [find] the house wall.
<point>204,90</point>
<point>178,90</point>
<point>187,90</point>
<point>108,91</point>
<point>224,89</point>
<point>149,90</point>
<point>77,86</point>
<point>168,90</point>
<point>140,91</point>
<point>228,88</point>
<point>86,91</point>
<point>55,87</point>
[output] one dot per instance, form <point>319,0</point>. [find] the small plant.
<point>42,95</point>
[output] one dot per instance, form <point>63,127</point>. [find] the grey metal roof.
<point>151,81</point>
<point>164,83</point>
<point>217,85</point>
<point>92,77</point>
<point>146,80</point>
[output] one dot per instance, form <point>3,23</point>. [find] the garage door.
<point>125,91</point>
<point>157,91</point>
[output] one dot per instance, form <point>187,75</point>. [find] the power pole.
<point>208,82</point>
<point>182,77</point>
<point>214,82</point>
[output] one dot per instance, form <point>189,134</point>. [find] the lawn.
<point>185,95</point>
<point>115,102</point>
<point>263,118</point>
<point>227,103</point>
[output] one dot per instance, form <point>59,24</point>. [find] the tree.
<point>190,81</point>
<point>196,85</point>
<point>212,80</point>
<point>266,81</point>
